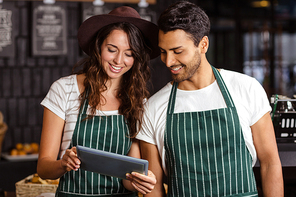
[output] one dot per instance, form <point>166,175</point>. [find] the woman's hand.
<point>141,182</point>
<point>70,160</point>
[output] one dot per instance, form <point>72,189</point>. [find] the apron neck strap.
<point>172,99</point>
<point>221,84</point>
<point>83,108</point>
<point>223,88</point>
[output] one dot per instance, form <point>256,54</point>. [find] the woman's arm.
<point>270,164</point>
<point>48,167</point>
<point>137,181</point>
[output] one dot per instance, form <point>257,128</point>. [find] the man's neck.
<point>203,77</point>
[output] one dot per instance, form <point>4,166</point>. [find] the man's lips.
<point>176,69</point>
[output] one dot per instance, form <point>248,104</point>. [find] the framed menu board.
<point>7,26</point>
<point>49,29</point>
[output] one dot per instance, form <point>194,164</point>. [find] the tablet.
<point>110,164</point>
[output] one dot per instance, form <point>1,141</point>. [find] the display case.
<point>284,119</point>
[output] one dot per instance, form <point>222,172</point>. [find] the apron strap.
<point>83,108</point>
<point>226,95</point>
<point>172,99</point>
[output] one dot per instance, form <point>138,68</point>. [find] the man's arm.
<point>150,153</point>
<point>267,152</point>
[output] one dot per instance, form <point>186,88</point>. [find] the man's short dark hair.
<point>186,16</point>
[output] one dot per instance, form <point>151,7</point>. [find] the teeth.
<point>116,68</point>
<point>176,68</point>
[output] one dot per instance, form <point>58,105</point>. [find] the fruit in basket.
<point>19,146</point>
<point>35,147</point>
<point>25,149</point>
<point>35,179</point>
<point>14,152</point>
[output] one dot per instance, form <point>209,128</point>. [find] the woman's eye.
<point>129,55</point>
<point>110,50</point>
<point>177,52</point>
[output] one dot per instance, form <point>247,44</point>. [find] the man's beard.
<point>188,70</point>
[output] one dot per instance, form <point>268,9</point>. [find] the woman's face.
<point>117,57</point>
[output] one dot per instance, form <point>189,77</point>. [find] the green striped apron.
<point>108,133</point>
<point>206,153</point>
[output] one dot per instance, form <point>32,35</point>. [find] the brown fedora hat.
<point>89,28</point>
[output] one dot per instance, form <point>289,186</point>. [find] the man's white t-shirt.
<point>247,94</point>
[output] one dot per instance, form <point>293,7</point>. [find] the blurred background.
<point>38,45</point>
<point>255,37</point>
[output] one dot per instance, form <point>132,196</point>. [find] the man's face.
<point>179,54</point>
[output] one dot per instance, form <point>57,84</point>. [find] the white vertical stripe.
<point>117,142</point>
<point>241,160</point>
<point>222,156</point>
<point>180,154</point>
<point>90,145</point>
<point>105,187</point>
<point>193,149</point>
<point>124,137</point>
<point>201,160</point>
<point>92,185</point>
<point>208,155</point>
<point>85,182</point>
<point>173,153</point>
<point>85,176</point>
<point>104,140</point>
<point>227,132</point>
<point>111,133</point>
<point>214,142</point>
<point>119,130</point>
<point>186,149</point>
<point>97,147</point>
<point>91,133</point>
<point>111,140</point>
<point>235,159</point>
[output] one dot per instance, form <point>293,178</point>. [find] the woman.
<point>101,106</point>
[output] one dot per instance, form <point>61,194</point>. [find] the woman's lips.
<point>115,69</point>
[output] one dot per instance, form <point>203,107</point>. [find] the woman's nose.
<point>118,59</point>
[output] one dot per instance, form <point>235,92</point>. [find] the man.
<point>206,129</point>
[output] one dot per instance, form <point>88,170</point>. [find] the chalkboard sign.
<point>7,21</point>
<point>49,29</point>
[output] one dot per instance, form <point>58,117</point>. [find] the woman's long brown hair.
<point>133,87</point>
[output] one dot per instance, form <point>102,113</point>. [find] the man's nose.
<point>169,60</point>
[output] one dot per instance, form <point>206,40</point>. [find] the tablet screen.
<point>110,164</point>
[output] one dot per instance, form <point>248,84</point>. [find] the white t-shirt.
<point>63,100</point>
<point>247,94</point>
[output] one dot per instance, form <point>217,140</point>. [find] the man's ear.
<point>204,44</point>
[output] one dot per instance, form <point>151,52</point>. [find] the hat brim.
<point>89,28</point>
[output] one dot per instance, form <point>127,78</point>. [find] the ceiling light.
<point>261,4</point>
